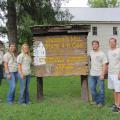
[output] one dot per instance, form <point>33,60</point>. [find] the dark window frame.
<point>94,30</point>
<point>115,30</point>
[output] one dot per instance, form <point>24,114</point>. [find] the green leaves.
<point>103,3</point>
<point>21,14</point>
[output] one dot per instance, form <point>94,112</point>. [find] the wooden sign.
<point>60,55</point>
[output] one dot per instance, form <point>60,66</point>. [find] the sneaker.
<point>23,104</point>
<point>116,109</point>
<point>100,105</point>
<point>93,103</point>
<point>10,103</point>
<point>112,106</point>
<point>28,103</point>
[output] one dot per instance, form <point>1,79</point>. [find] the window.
<point>115,30</point>
<point>94,30</point>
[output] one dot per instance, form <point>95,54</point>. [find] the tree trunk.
<point>12,26</point>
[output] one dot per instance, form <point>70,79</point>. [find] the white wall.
<point>104,32</point>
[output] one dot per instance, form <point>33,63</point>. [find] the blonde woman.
<point>24,60</point>
<point>10,65</point>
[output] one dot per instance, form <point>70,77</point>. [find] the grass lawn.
<point>61,102</point>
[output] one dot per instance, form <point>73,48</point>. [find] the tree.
<point>32,12</point>
<point>23,13</point>
<point>11,24</point>
<point>17,8</point>
<point>40,11</point>
<point>103,3</point>
<point>63,16</point>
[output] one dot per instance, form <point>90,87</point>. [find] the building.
<point>105,22</point>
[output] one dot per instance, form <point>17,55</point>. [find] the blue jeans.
<point>12,84</point>
<point>1,76</point>
<point>1,73</point>
<point>24,90</point>
<point>97,89</point>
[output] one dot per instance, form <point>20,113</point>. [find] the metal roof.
<point>86,14</point>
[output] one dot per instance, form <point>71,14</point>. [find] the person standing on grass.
<point>24,61</point>
<point>113,72</point>
<point>98,61</point>
<point>1,63</point>
<point>10,66</point>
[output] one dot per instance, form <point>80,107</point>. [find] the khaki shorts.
<point>113,82</point>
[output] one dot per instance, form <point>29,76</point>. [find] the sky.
<point>76,3</point>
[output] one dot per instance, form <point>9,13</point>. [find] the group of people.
<point>101,64</point>
<point>17,67</point>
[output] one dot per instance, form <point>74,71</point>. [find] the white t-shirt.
<point>97,60</point>
<point>1,57</point>
<point>11,59</point>
<point>25,61</point>
<point>114,61</point>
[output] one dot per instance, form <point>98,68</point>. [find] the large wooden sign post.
<point>60,51</point>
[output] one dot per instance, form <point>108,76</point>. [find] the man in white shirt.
<point>113,72</point>
<point>98,62</point>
